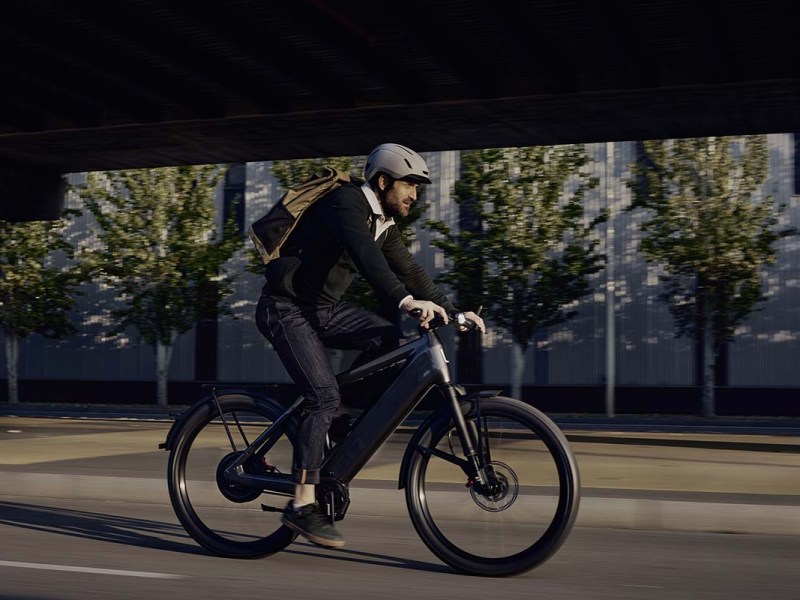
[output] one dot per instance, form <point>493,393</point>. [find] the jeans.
<point>300,335</point>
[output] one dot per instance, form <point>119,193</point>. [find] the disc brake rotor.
<point>500,496</point>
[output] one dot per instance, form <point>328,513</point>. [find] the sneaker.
<point>309,522</point>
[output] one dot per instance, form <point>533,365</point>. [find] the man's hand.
<point>429,310</point>
<point>478,321</point>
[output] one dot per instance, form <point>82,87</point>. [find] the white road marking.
<point>26,565</point>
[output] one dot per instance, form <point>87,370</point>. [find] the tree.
<point>710,233</point>
<point>35,294</point>
<point>534,250</point>
<point>158,246</point>
<point>294,172</point>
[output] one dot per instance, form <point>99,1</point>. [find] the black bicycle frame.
<point>425,367</point>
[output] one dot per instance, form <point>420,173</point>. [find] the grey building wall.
<point>765,353</point>
<point>575,353</point>
<point>767,347</point>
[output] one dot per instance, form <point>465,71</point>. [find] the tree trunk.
<point>517,369</point>
<point>163,359</point>
<point>708,372</point>
<point>12,363</point>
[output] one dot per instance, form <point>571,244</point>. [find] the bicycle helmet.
<point>397,161</point>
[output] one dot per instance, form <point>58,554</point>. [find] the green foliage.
<point>35,295</point>
<point>534,251</point>
<point>708,230</point>
<point>159,247</point>
<point>294,172</point>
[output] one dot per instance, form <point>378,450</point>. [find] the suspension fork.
<point>466,433</point>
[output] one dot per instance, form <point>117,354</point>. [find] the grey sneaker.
<point>309,522</point>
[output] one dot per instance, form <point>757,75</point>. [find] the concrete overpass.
<point>141,83</point>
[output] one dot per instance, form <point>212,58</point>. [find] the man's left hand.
<point>478,321</point>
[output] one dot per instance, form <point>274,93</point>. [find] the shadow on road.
<point>96,526</point>
<point>370,558</point>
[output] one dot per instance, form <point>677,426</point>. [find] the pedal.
<point>266,508</point>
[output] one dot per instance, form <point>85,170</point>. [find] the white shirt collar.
<point>383,223</point>
<point>374,204</point>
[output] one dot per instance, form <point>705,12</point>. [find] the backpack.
<point>272,230</point>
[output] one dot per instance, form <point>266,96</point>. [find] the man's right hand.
<point>429,310</point>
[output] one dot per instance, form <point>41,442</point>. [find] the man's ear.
<point>383,182</point>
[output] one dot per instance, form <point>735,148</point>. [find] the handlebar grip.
<point>437,321</point>
<point>469,324</point>
<point>434,323</point>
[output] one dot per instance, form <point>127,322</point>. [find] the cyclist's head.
<point>398,162</point>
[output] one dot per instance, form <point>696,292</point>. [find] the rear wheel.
<point>516,519</point>
<point>222,516</point>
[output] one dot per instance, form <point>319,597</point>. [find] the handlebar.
<point>457,318</point>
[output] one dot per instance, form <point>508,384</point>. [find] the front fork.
<point>474,444</point>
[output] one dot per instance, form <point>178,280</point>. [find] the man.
<point>300,311</point>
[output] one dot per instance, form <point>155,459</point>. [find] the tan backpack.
<point>270,232</point>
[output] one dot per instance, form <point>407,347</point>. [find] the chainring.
<point>332,490</point>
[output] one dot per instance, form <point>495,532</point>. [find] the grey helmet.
<point>398,161</point>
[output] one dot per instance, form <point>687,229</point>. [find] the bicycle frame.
<point>426,366</point>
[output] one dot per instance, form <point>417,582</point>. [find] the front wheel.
<point>224,517</point>
<point>516,519</point>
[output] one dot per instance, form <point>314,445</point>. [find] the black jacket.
<point>333,241</point>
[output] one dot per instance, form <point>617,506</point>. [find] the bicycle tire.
<point>219,539</point>
<point>533,440</point>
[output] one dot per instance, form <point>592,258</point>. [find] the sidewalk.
<point>695,479</point>
<point>788,426</point>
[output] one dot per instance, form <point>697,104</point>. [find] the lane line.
<point>26,565</point>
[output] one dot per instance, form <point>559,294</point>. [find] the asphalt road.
<point>683,515</point>
<point>60,549</point>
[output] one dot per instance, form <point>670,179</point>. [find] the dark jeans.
<point>300,335</point>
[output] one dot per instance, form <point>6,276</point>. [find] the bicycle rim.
<point>228,519</point>
<point>523,519</point>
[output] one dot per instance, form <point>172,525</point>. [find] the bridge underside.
<point>137,83</point>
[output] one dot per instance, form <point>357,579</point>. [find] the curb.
<point>779,427</point>
<point>616,513</point>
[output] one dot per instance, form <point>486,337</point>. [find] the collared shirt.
<point>381,222</point>
<point>332,242</point>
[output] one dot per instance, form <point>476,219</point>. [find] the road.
<point>146,554</point>
<point>84,514</point>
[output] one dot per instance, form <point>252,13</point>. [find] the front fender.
<point>207,403</point>
<point>438,419</point>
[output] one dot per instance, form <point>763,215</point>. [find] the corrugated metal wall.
<point>89,355</point>
<point>575,353</point>
<point>766,351</point>
<point>767,347</point>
